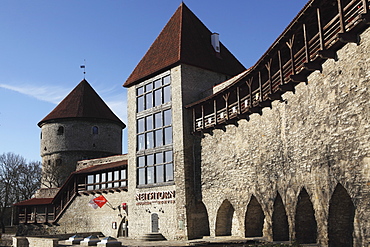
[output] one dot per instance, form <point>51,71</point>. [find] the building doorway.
<point>155,225</point>
<point>122,230</point>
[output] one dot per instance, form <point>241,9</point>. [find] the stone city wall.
<point>320,137</point>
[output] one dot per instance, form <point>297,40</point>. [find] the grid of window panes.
<point>106,180</point>
<point>153,94</point>
<point>155,168</point>
<point>154,130</point>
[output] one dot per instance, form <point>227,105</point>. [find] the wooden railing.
<point>321,28</point>
<point>40,214</point>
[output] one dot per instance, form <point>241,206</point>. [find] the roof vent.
<point>215,40</point>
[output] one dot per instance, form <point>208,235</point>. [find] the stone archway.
<point>280,227</point>
<point>254,218</point>
<point>224,219</point>
<point>341,217</point>
<point>305,222</point>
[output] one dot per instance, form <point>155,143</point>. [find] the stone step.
<point>153,237</point>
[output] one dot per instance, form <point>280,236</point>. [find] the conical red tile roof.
<point>184,39</point>
<point>82,102</point>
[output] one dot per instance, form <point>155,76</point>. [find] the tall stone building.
<point>80,127</point>
<point>180,65</point>
<point>279,151</point>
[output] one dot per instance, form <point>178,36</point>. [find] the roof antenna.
<point>83,67</point>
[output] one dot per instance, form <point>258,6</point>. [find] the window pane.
<point>158,138</point>
<point>159,174</point>
<point>157,83</point>
<point>110,176</point>
<point>140,125</point>
<point>150,160</point>
<point>149,140</point>
<point>90,179</point>
<point>149,122</point>
<point>140,91</point>
<point>141,176</point>
<point>166,94</point>
<point>123,183</point>
<point>168,156</point>
<point>141,161</point>
<point>102,186</point>
<point>116,175</point>
<point>140,142</point>
<point>148,87</point>
<point>159,158</point>
<point>150,175</point>
<point>97,180</point>
<point>168,135</point>
<point>116,184</point>
<point>166,80</point>
<point>123,174</point>
<point>158,97</point>
<point>169,172</point>
<point>158,120</point>
<point>103,177</point>
<point>167,117</point>
<point>140,104</point>
<point>149,101</point>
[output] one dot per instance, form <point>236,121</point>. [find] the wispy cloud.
<point>52,94</point>
<point>118,104</point>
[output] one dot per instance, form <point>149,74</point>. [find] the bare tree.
<point>19,180</point>
<point>54,175</point>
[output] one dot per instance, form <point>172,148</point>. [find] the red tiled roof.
<point>34,201</point>
<point>184,39</point>
<point>82,102</point>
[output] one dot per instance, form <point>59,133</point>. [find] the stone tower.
<point>81,127</point>
<point>184,61</point>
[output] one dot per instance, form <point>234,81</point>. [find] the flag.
<point>100,201</point>
<point>93,204</point>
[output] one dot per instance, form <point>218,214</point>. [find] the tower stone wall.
<point>64,142</point>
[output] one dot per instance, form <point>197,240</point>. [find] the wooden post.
<point>260,84</point>
<point>226,98</point>
<point>215,110</point>
<point>35,214</point>
<point>194,121</point>
<point>46,214</point>
<point>341,17</point>
<point>202,116</point>
<point>268,67</point>
<point>290,45</point>
<point>321,32</point>
<point>307,48</point>
<point>238,98</point>
<point>281,69</point>
<point>249,83</point>
<point>25,215</point>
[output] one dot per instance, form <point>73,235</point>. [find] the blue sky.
<point>43,43</point>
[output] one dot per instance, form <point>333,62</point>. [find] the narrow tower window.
<point>95,130</point>
<point>60,130</point>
